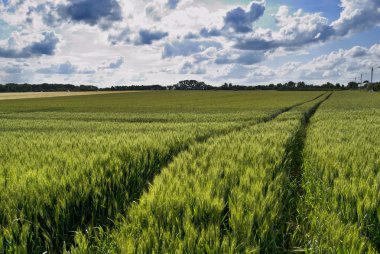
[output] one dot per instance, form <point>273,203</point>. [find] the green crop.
<point>191,172</point>
<point>341,206</point>
<point>225,196</point>
<point>66,167</point>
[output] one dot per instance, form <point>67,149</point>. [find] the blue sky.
<point>125,42</point>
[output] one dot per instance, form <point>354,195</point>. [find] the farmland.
<point>32,95</point>
<point>191,172</point>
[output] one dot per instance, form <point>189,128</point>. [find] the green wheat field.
<point>191,172</point>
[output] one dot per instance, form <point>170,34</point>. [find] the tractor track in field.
<point>105,220</point>
<point>205,138</point>
<point>150,172</point>
<point>292,219</point>
<point>108,223</point>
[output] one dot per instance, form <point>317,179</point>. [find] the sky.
<point>141,42</point>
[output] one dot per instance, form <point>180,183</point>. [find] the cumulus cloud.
<point>241,20</point>
<point>299,29</point>
<point>46,45</point>
<point>158,9</point>
<point>288,68</point>
<point>237,20</point>
<point>181,37</point>
<point>375,51</point>
<point>239,57</point>
<point>341,63</point>
<point>66,68</point>
<point>172,4</point>
<point>294,31</point>
<point>142,37</point>
<point>244,74</point>
<point>123,36</point>
<point>154,11</point>
<point>102,13</point>
<point>10,5</point>
<point>213,32</point>
<point>138,77</point>
<point>357,16</point>
<point>188,47</point>
<point>191,68</point>
<point>191,35</point>
<point>12,69</point>
<point>357,51</point>
<point>147,37</point>
<point>260,74</point>
<point>236,71</point>
<point>113,65</point>
<point>37,14</point>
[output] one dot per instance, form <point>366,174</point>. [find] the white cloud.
<point>113,65</point>
<point>240,20</point>
<point>341,64</point>
<point>162,41</point>
<point>191,68</point>
<point>66,68</point>
<point>357,15</point>
<point>26,45</point>
<point>236,71</point>
<point>294,31</point>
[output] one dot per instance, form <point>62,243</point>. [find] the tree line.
<point>12,87</point>
<point>186,85</point>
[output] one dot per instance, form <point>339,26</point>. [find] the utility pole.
<point>371,75</point>
<point>361,79</point>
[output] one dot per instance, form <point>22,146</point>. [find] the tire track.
<point>292,218</point>
<point>157,166</point>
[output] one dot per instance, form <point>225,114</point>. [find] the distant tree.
<point>291,85</point>
<point>301,85</point>
<point>226,86</point>
<point>182,85</point>
<point>88,88</point>
<point>193,85</point>
<point>328,85</point>
<point>373,86</point>
<point>353,85</point>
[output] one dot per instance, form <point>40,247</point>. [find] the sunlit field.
<point>191,172</point>
<point>31,95</point>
